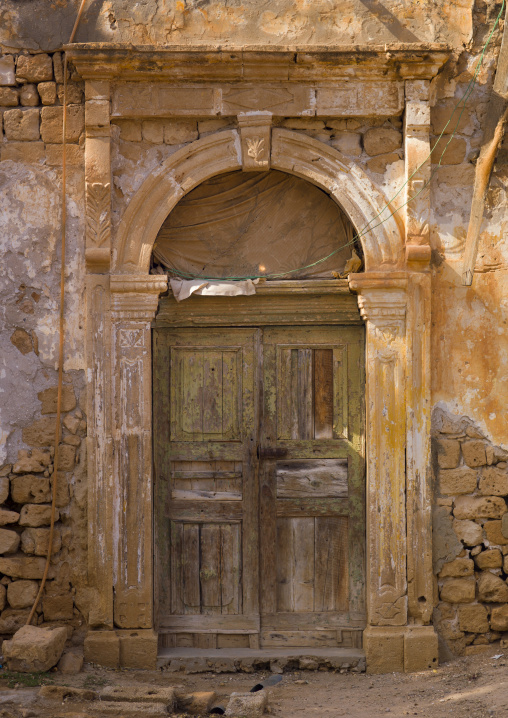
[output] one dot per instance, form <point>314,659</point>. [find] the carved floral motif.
<point>98,207</point>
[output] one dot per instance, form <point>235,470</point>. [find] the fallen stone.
<point>198,703</point>
<point>494,481</point>
<point>24,567</point>
<point>48,399</point>
<point>499,618</point>
<point>457,568</point>
<point>128,710</point>
<point>34,649</point>
<point>484,507</point>
<point>142,693</point>
<point>9,541</point>
<point>70,663</point>
<point>457,481</point>
<point>30,489</point>
<point>247,705</point>
<point>379,140</point>
<point>8,517</point>
<point>492,558</point>
<point>459,590</point>
<point>492,589</point>
<point>37,515</point>
<point>473,619</point>
<point>22,594</point>
<point>61,693</point>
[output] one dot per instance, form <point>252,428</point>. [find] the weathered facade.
<point>350,97</point>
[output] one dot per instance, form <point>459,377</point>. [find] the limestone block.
<point>380,140</point>
<point>74,155</point>
<point>384,649</point>
<point>58,66</point>
<point>58,608</point>
<point>7,70</point>
<point>34,68</point>
<point>492,558</point>
<point>37,515</point>
<point>198,703</point>
<point>23,567</point>
<point>47,92</point>
<point>48,399</point>
<point>176,133</point>
<point>138,649</point>
<point>21,125</point>
<point>66,457</point>
<point>350,143</point>
<point>130,130</point>
<point>28,463</point>
<point>30,489</point>
<point>72,440</point>
<point>103,648</point>
<point>34,649</point>
<point>35,541</point>
<point>62,489</point>
<point>485,507</point>
<point>493,481</point>
<point>247,705</point>
<point>457,481</point>
<point>296,123</point>
<point>9,541</point>
<point>443,117</point>
<point>63,693</point>
<point>12,619</point>
<point>458,590</point>
<point>448,453</point>
<point>458,568</point>
<point>51,123</point>
<point>504,525</point>
<point>8,517</point>
<point>74,93</point>
<point>456,175</point>
<point>153,131</point>
<point>476,650</point>
<point>492,589</point>
<point>3,596</point>
<point>70,663</point>
<point>4,488</point>
<point>129,710</point>
<point>381,162</point>
<point>71,423</point>
<point>473,619</point>
<point>474,453</point>
<point>142,693</point>
<point>9,97</point>
<point>494,533</point>
<point>208,126</point>
<point>420,648</point>
<point>499,618</point>
<point>454,153</point>
<point>22,594</point>
<point>28,96</point>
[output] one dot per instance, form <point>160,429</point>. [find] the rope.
<point>61,323</point>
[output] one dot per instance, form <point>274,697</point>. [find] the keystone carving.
<point>255,134</point>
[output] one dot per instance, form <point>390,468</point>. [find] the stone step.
<point>247,660</point>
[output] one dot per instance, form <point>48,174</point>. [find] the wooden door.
<point>312,512</point>
<point>206,423</point>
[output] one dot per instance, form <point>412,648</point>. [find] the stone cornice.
<point>303,64</point>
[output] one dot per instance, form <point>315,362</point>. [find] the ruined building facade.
<point>185,513</point>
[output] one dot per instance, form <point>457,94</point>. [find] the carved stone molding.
<point>98,226</point>
<point>136,297</point>
<point>418,167</point>
<point>255,136</point>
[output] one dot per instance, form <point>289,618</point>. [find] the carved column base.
<point>400,649</point>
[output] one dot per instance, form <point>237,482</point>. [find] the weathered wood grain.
<point>312,478</point>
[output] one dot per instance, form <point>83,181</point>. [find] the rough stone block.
<point>458,590</point>
<point>34,649</point>
<point>24,567</point>
<point>381,162</point>
<point>445,116</point>
<point>379,140</point>
<point>454,153</point>
<point>494,533</point>
<point>492,558</point>
<point>473,619</point>
<point>28,96</point>
<point>12,619</point>
<point>4,488</point>
<point>350,143</point>
<point>129,710</point>
<point>58,608</point>
<point>40,433</point>
<point>30,489</point>
<point>31,153</point>
<point>70,663</point>
<point>499,618</point>
<point>8,517</point>
<point>103,648</point>
<point>138,649</point>
<point>492,589</point>
<point>21,125</point>
<point>196,704</point>
<point>48,399</point>
<point>7,76</point>
<point>448,453</point>
<point>73,155</point>
<point>142,693</point>
<point>130,130</point>
<point>9,541</point>
<point>51,123</point>
<point>9,97</point>
<point>153,131</point>
<point>420,649</point>
<point>3,596</point>
<point>484,507</point>
<point>458,568</point>
<point>206,127</point>
<point>47,92</point>
<point>22,594</point>
<point>75,93</point>
<point>384,649</point>
<point>71,423</point>
<point>34,68</point>
<point>66,457</point>
<point>474,453</point>
<point>177,132</point>
<point>457,481</point>
<point>494,481</point>
<point>476,650</point>
<point>37,515</point>
<point>247,705</point>
<point>35,541</point>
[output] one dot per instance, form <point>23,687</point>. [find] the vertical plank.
<point>284,393</point>
<point>231,396</point>
<point>230,568</point>
<point>190,560</point>
<point>190,388</point>
<point>295,395</point>
<point>332,568</point>
<point>323,393</point>
<point>340,392</point>
<point>284,555</point>
<point>305,395</point>
<point>177,604</point>
<point>212,394</point>
<point>303,544</point>
<point>210,568</point>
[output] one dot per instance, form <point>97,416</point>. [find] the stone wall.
<point>470,535</point>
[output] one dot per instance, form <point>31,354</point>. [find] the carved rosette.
<point>255,137</point>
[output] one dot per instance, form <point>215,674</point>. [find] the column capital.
<point>381,296</point>
<point>136,297</point>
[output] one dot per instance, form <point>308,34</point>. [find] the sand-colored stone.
<point>458,590</point>
<point>34,649</point>
<point>458,568</point>
<point>492,558</point>
<point>492,589</point>
<point>7,76</point>
<point>9,541</point>
<point>493,481</point>
<point>138,649</point>
<point>48,399</point>
<point>102,647</point>
<point>22,594</point>
<point>40,433</point>
<point>384,649</point>
<point>9,97</point>
<point>247,705</point>
<point>4,488</point>
<point>485,507</point>
<point>380,163</point>
<point>36,515</point>
<point>449,151</point>
<point>74,93</point>
<point>420,648</point>
<point>454,482</point>
<point>381,140</point>
<point>177,132</point>
<point>23,566</point>
<point>47,92</point>
<point>58,608</point>
<point>34,68</point>
<point>499,618</point>
<point>448,453</point>
<point>474,453</point>
<point>153,131</point>
<point>473,619</point>
<point>28,96</point>
<point>142,693</point>
<point>35,541</point>
<point>130,130</point>
<point>51,123</point>
<point>30,488</point>
<point>21,125</point>
<point>70,663</point>
<point>12,619</point>
<point>494,533</point>
<point>8,517</point>
<point>30,152</point>
<point>196,703</point>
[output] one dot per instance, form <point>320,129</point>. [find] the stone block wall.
<point>470,536</point>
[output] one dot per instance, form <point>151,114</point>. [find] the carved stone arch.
<point>292,152</point>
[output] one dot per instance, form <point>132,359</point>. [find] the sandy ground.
<point>474,687</point>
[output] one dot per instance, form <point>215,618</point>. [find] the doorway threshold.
<point>249,660</point>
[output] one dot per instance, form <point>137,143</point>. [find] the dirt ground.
<point>473,687</point>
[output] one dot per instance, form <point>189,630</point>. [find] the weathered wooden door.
<point>206,428</point>
<point>312,489</point>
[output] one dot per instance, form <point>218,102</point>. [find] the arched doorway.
<point>258,423</point>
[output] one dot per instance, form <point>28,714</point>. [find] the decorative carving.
<point>98,213</point>
<point>255,133</point>
<point>255,148</point>
<point>131,338</point>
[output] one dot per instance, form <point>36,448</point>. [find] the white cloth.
<point>183,288</point>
